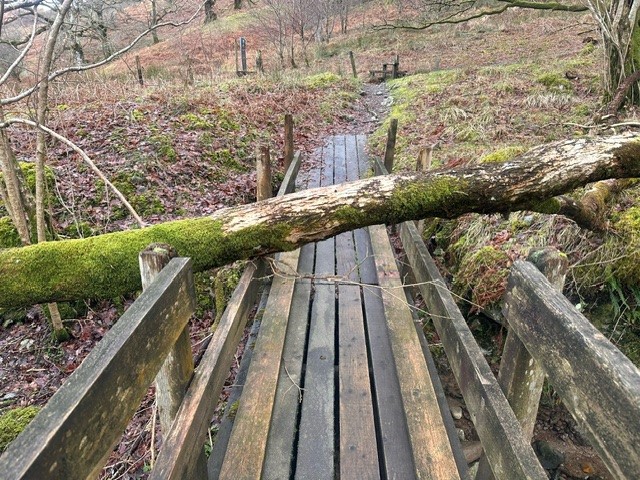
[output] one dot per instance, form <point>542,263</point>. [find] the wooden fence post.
<point>263,172</point>
<point>174,376</point>
<point>353,64</point>
<point>521,377</point>
<point>390,150</point>
<point>423,165</point>
<point>259,63</point>
<point>288,140</point>
<point>243,54</point>
<point>396,66</point>
<point>139,69</point>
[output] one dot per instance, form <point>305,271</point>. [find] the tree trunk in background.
<point>59,331</point>
<point>237,4</point>
<point>17,202</point>
<point>154,21</point>
<point>106,266</point>
<point>209,13</point>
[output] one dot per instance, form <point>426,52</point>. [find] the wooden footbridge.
<point>338,381</point>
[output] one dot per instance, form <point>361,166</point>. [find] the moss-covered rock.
<point>13,422</point>
<point>482,277</point>
<point>554,81</point>
<point>627,268</point>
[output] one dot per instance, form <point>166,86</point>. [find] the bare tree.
<point>209,13</point>
<point>48,19</point>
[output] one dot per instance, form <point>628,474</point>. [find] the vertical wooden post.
<point>175,374</point>
<point>423,165</point>
<point>288,140</point>
<point>390,150</point>
<point>263,172</point>
<point>353,64</point>
<point>259,64</point>
<point>520,376</point>
<point>139,69</point>
<point>396,66</point>
<point>243,54</point>
<point>384,72</point>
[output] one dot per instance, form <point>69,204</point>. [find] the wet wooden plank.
<point>282,434</point>
<point>394,436</point>
<point>339,158</point>
<point>88,414</point>
<point>597,383</point>
<point>214,464</point>
<point>247,446</point>
<point>427,432</point>
<point>315,454</point>
<point>509,454</point>
<point>358,448</point>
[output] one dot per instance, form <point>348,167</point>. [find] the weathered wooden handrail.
<point>509,454</point>
<point>73,434</point>
<point>599,385</point>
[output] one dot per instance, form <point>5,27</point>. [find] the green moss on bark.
<point>106,266</point>
<point>13,422</point>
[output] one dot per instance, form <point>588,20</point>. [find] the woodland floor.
<point>160,142</point>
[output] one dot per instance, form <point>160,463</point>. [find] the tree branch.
<point>85,157</point>
<point>82,68</point>
<point>451,20</point>
<point>24,51</point>
<point>106,266</point>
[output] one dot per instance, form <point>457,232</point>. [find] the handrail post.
<point>263,174</point>
<point>174,376</point>
<point>390,150</point>
<point>288,140</point>
<point>521,377</point>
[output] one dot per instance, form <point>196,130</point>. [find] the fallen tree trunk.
<point>106,266</point>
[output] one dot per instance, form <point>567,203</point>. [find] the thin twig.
<point>85,157</point>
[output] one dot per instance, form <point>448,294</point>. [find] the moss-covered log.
<point>106,266</point>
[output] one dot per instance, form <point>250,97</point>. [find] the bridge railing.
<point>547,337</point>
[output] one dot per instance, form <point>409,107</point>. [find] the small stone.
<point>379,92</point>
<point>550,457</point>
<point>588,469</point>
<point>461,435</point>
<point>455,407</point>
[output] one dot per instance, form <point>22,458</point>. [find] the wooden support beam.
<point>174,376</point>
<point>521,377</point>
<point>263,173</point>
<point>590,374</point>
<point>288,140</point>
<point>390,150</point>
<point>353,64</point>
<point>183,445</point>
<point>139,71</point>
